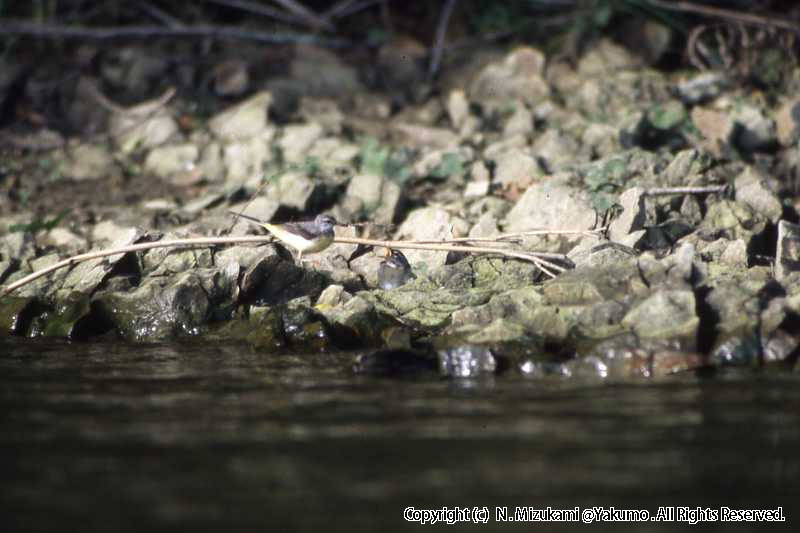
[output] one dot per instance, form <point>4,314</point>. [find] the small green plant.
<point>380,160</point>
<point>39,224</point>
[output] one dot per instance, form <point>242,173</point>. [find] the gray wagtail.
<point>306,237</point>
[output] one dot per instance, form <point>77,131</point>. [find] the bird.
<point>394,271</point>
<point>307,236</point>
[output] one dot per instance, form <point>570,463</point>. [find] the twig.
<point>665,191</point>
<point>438,42</point>
<point>259,9</point>
<point>745,18</point>
<point>311,18</point>
<point>15,27</point>
<point>533,257</point>
<point>346,8</point>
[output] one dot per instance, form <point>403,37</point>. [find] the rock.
<point>261,207</point>
<point>716,127</point>
<point>133,68</point>
<point>16,314</point>
<point>685,166</point>
<point>442,164</point>
<point>244,120</point>
<point>552,204</point>
<point>555,151</point>
<point>210,166</point>
<point>517,77</point>
<point>334,156</point>
<point>296,190</point>
<point>755,131</point>
<point>159,309</point>
<point>787,255</point>
<point>664,315</point>
<point>297,140</point>
<point>519,123</point>
<point>756,191</point>
<point>735,254</point>
<point>166,161</point>
<point>231,77</point>
<point>601,140</point>
<point>496,149</point>
<point>142,129</point>
<point>201,203</point>
<point>375,195</point>
<point>428,224</point>
<point>787,122</point>
<point>64,240</point>
<point>605,57</point>
<point>353,322</point>
<point>246,159</point>
<point>479,183</point>
<point>332,296</point>
<point>702,87</point>
<point>633,214</point>
<point>466,361</point>
<point>322,73</point>
<point>667,116</point>
<point>457,108</point>
<point>322,111</point>
<point>425,137</point>
<point>516,168</point>
<point>88,161</point>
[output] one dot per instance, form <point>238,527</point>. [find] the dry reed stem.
<point>546,266</point>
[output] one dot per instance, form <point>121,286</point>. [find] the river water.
<point>115,437</point>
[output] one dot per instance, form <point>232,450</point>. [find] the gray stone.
<point>244,120</point>
<point>555,150</point>
<point>88,161</point>
<point>516,168</point>
<point>757,192</point>
<point>632,217</point>
<point>787,255</point>
<point>520,122</point>
<point>519,76</point>
<point>428,224</point>
<point>457,108</point>
<point>756,131</point>
<point>552,204</point>
<point>787,121</point>
<point>246,159</point>
<point>134,130</point>
<point>664,315</point>
<point>702,87</point>
<point>425,137</point>
<point>297,140</point>
<point>166,161</point>
<point>717,128</point>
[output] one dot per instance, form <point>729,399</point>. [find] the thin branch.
<point>438,43</point>
<point>737,16</point>
<point>666,191</point>
<point>259,9</point>
<point>546,266</point>
<point>311,18</point>
<point>54,31</point>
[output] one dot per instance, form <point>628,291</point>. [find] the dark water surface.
<point>112,437</point>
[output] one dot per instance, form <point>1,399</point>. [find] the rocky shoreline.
<point>694,179</point>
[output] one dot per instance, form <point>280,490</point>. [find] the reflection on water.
<point>111,437</point>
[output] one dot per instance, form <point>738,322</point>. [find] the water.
<point>114,437</point>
